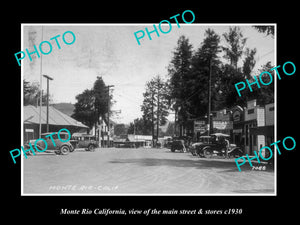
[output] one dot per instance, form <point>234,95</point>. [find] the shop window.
<point>250,111</point>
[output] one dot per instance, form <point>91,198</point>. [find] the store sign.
<point>199,125</point>
<point>222,125</point>
<point>29,130</point>
<point>237,131</point>
<point>236,116</point>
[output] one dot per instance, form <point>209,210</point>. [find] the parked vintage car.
<point>195,147</point>
<point>180,143</point>
<point>59,147</point>
<point>217,147</point>
<point>86,141</point>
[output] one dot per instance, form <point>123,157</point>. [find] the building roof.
<point>66,108</point>
<point>56,117</point>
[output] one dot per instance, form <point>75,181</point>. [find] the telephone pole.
<point>209,98</point>
<point>41,93</point>
<point>48,78</point>
<point>157,115</point>
<point>152,111</point>
<point>108,122</point>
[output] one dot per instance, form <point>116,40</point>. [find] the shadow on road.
<point>228,166</point>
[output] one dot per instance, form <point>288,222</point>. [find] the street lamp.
<point>48,78</point>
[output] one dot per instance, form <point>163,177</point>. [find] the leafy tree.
<point>231,73</point>
<point>264,94</point>
<point>269,30</point>
<point>140,127</point>
<point>249,62</point>
<point>92,104</point>
<point>120,129</point>
<point>31,94</point>
<point>85,108</point>
<point>235,45</point>
<point>231,76</point>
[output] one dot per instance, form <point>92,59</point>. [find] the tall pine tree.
<point>155,103</point>
<point>180,80</point>
<point>205,62</point>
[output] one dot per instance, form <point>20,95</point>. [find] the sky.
<point>111,51</point>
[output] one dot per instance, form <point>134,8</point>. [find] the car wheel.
<point>57,152</point>
<point>29,152</point>
<point>207,153</point>
<point>64,150</point>
<point>236,153</point>
<point>200,154</point>
<point>91,148</point>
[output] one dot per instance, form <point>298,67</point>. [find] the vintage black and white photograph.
<point>148,109</point>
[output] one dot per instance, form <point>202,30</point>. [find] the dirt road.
<point>140,171</point>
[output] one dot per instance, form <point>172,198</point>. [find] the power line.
<point>264,55</point>
<point>124,96</point>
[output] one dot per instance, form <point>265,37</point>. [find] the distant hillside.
<point>66,108</point>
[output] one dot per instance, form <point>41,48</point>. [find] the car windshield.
<point>63,136</point>
<point>54,136</point>
<point>205,139</point>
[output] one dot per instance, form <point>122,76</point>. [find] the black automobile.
<point>180,143</point>
<point>86,141</point>
<point>53,142</point>
<point>217,147</point>
<point>195,147</point>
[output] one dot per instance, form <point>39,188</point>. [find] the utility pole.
<point>48,78</point>
<point>41,94</point>
<point>152,109</point>
<point>157,114</point>
<point>209,98</point>
<point>108,106</point>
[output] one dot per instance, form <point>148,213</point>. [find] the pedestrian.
<point>226,147</point>
<point>183,146</point>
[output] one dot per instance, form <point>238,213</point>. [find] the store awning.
<point>265,130</point>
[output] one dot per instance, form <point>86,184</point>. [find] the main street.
<point>140,171</point>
